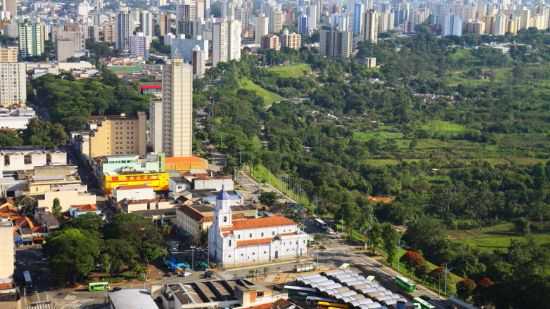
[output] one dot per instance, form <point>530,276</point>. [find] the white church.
<point>233,242</point>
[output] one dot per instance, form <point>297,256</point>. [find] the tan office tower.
<point>13,84</point>
<point>177,109</point>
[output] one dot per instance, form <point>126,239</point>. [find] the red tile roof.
<point>86,207</point>
<point>257,223</point>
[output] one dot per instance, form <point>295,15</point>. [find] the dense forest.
<point>455,130</point>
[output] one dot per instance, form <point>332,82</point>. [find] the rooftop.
<point>132,298</point>
<point>264,222</point>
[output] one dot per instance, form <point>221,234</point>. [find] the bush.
<point>465,288</point>
<point>413,259</point>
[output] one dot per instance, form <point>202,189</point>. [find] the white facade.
<point>131,193</point>
<point>139,46</point>
<point>262,28</point>
<point>213,183</point>
<point>67,199</point>
<point>13,84</point>
<point>226,41</point>
<point>252,241</point>
<point>16,119</point>
<point>13,160</point>
<point>7,254</point>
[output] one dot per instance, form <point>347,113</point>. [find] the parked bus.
<point>422,303</point>
<point>28,279</point>
<point>98,286</point>
<point>405,284</point>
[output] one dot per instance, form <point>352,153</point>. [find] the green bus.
<point>405,284</point>
<point>422,303</point>
<point>98,286</point>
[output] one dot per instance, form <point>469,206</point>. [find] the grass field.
<point>494,237</point>
<point>268,96</point>
<point>444,127</point>
<point>262,174</point>
<point>291,70</point>
<point>366,136</point>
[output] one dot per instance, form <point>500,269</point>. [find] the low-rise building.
<point>113,135</point>
<point>16,119</point>
<point>53,178</point>
<point>131,206</point>
<point>133,193</point>
<point>67,198</point>
<point>196,219</point>
<point>78,210</point>
<point>156,180</point>
<point>239,294</point>
<point>252,241</point>
<point>25,158</point>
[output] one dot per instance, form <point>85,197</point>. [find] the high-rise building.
<point>275,20</point>
<point>183,48</point>
<point>69,42</point>
<point>177,106</point>
<point>370,32</point>
<point>271,41</point>
<point>146,22</point>
<point>226,41</point>
<point>185,19</point>
<point>124,29</point>
<point>452,25</point>
<point>155,125</point>
<point>139,46</point>
<point>31,39</point>
<point>291,40</point>
<point>499,25</point>
<point>312,17</point>
<point>8,54</point>
<point>262,28</point>
<point>164,23</point>
<point>358,9</point>
<point>13,81</point>
<point>11,7</point>
<point>336,43</point>
<point>303,25</point>
<point>198,61</point>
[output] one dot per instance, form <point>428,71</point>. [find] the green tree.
<point>9,138</point>
<point>390,238</point>
<point>56,208</point>
<point>268,198</point>
<point>72,254</point>
<point>374,238</point>
<point>120,255</point>
<point>465,288</point>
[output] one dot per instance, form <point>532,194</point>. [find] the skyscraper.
<point>303,24</point>
<point>370,33</point>
<point>139,46</point>
<point>275,20</point>
<point>357,17</point>
<point>146,21</point>
<point>452,25</point>
<point>185,18</point>
<point>13,84</point>
<point>177,109</point>
<point>226,41</point>
<point>124,29</point>
<point>31,38</point>
<point>336,43</point>
<point>262,26</point>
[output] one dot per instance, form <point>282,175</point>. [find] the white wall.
<point>17,160</point>
<point>134,194</point>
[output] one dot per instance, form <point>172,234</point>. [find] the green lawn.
<point>444,127</point>
<point>291,70</point>
<point>268,96</point>
<point>494,237</point>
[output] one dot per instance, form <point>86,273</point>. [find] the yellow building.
<point>115,135</point>
<point>157,180</point>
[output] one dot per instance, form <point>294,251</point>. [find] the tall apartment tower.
<point>336,43</point>
<point>7,254</point>
<point>226,41</point>
<point>177,109</point>
<point>146,21</point>
<point>262,27</point>
<point>155,125</point>
<point>371,26</point>
<point>13,84</point>
<point>124,29</point>
<point>11,7</point>
<point>31,38</point>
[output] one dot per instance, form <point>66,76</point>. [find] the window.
<point>48,158</point>
<point>229,243</point>
<point>239,236</point>
<point>224,219</point>
<point>250,235</point>
<point>262,234</point>
<point>6,160</point>
<point>273,233</point>
<point>260,294</point>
